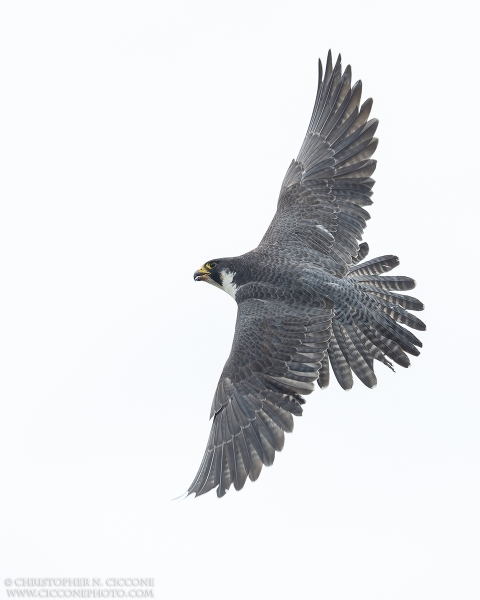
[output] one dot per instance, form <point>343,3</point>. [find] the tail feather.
<point>357,362</point>
<point>375,266</point>
<point>324,374</point>
<point>390,282</point>
<point>406,340</point>
<point>359,344</point>
<point>387,346</point>
<point>373,349</point>
<point>408,302</point>
<point>401,315</point>
<point>369,322</point>
<point>340,366</point>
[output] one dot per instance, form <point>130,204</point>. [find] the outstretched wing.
<point>320,203</point>
<point>276,355</point>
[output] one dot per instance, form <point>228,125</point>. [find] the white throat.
<point>227,283</point>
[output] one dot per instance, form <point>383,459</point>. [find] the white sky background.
<point>139,140</point>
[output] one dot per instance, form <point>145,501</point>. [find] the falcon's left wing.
<point>277,352</point>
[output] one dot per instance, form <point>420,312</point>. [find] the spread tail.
<point>368,326</point>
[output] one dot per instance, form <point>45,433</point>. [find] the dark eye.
<point>211,265</point>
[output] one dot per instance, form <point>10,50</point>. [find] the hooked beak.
<point>201,275</point>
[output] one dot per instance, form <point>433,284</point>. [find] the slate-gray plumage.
<point>304,298</point>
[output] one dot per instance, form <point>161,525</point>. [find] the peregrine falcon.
<point>307,300</point>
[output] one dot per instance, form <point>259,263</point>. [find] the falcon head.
<point>219,273</point>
